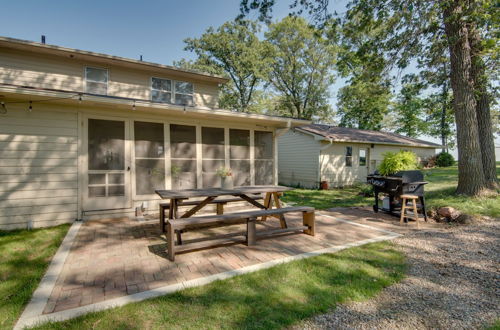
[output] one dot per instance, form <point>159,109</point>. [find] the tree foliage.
<point>301,70</point>
<point>410,29</point>
<point>234,48</point>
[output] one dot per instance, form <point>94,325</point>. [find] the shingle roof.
<point>344,134</point>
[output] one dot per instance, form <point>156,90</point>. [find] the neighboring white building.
<point>341,156</point>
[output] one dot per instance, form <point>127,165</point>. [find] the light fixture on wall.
<point>3,109</point>
<point>79,98</point>
<point>133,106</point>
<point>30,107</point>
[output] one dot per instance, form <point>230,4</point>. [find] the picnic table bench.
<point>249,236</point>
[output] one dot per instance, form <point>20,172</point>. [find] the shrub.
<point>444,159</point>
<point>365,190</point>
<point>394,162</point>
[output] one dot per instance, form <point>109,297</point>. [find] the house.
<point>341,156</point>
<point>86,135</point>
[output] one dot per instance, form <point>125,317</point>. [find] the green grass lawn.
<point>439,192</point>
<point>272,298</point>
<point>24,257</point>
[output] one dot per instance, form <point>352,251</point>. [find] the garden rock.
<point>448,212</point>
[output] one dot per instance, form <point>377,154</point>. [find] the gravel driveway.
<point>453,282</point>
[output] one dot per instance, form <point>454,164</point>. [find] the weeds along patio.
<point>111,262</point>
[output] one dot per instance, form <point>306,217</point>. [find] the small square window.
<point>96,81</point>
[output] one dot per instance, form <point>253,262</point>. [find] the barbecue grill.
<point>404,182</point>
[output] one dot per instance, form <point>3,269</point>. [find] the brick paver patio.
<point>117,257</point>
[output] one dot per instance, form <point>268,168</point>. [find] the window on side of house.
<point>161,90</point>
<point>362,157</point>
<point>348,156</point>
<point>96,81</point>
<point>184,93</point>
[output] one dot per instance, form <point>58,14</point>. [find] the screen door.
<point>108,174</point>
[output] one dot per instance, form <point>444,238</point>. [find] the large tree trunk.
<point>486,139</point>
<point>471,179</point>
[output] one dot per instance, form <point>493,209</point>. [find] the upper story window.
<point>168,91</point>
<point>96,81</point>
<point>184,93</point>
<point>348,156</point>
<point>161,90</point>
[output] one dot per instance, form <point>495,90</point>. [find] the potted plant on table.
<point>226,177</point>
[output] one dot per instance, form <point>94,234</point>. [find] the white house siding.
<point>38,166</point>
<point>298,160</point>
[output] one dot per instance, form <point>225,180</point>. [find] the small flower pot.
<point>226,182</point>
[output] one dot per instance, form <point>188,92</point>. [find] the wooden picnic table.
<point>272,196</point>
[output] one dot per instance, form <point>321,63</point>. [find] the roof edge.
<point>330,140</point>
<point>55,48</point>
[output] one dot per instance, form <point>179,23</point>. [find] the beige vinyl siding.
<point>298,157</point>
<point>333,164</point>
<point>422,153</point>
<point>61,73</point>
<point>38,166</point>
<point>332,161</point>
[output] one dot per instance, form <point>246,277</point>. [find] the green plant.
<point>394,162</point>
<point>175,170</point>
<point>444,159</point>
<point>365,190</point>
<point>224,172</point>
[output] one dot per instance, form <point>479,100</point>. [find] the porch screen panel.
<point>264,158</point>
<point>149,157</point>
<point>212,155</point>
<point>239,154</point>
<point>183,155</point>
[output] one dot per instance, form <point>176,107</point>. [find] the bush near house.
<point>444,159</point>
<point>394,162</point>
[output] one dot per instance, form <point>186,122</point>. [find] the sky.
<point>154,29</point>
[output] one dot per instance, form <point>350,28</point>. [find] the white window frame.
<point>172,92</point>
<point>100,82</point>
<point>366,157</point>
<point>175,92</point>
<point>350,157</point>
<point>160,90</point>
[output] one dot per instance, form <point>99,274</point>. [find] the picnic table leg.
<point>278,206</point>
<point>267,203</point>
<point>162,218</point>
<point>170,242</point>
<point>251,231</point>
<point>172,214</point>
<point>219,208</point>
<point>308,220</point>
